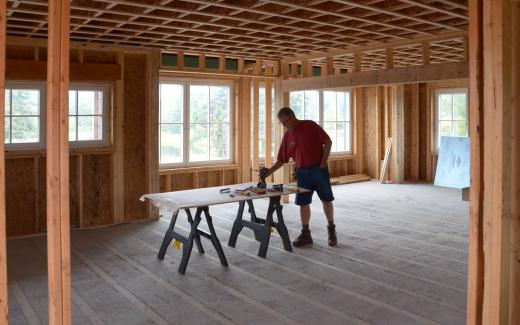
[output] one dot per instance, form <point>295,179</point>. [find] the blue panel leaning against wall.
<point>453,163</point>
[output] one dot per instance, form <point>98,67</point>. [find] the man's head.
<point>287,117</point>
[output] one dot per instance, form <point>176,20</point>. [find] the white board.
<point>453,163</point>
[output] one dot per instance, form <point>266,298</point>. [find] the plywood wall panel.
<point>407,116</point>
<point>74,191</point>
<point>134,135</point>
<point>20,196</point>
<point>213,178</point>
<point>182,181</point>
<point>20,52</point>
<point>97,190</point>
<point>370,154</point>
<point>99,57</point>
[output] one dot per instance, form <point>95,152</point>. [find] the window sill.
<point>187,169</point>
<point>21,153</point>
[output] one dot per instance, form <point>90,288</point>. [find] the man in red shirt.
<point>309,147</point>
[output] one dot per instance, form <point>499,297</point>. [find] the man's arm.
<point>327,145</point>
<point>274,168</point>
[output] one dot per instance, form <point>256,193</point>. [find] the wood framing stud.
<point>389,58</point>
<point>58,217</point>
<point>426,52</point>
<point>4,319</point>
<point>202,62</point>
<point>357,62</point>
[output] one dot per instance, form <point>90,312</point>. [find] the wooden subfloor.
<point>401,260</point>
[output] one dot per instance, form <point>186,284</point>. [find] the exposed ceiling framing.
<point>264,29</point>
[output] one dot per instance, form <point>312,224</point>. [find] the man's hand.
<point>323,165</point>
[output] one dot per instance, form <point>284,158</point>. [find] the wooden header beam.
<point>58,214</point>
<point>4,319</point>
<point>377,46</point>
<point>428,73</point>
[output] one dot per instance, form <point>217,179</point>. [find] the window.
<point>452,113</point>
<point>331,109</point>
<point>23,109</point>
<point>88,110</point>
<point>194,123</point>
<point>262,121</point>
<point>171,123</point>
<point>305,104</point>
<point>25,115</point>
<point>336,119</point>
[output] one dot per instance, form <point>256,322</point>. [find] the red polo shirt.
<point>304,144</point>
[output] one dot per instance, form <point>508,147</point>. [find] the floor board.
<point>401,259</point>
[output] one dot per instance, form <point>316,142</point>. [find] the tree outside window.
<point>195,123</point>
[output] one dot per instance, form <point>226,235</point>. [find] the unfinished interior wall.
<point>420,156</point>
<point>91,169</point>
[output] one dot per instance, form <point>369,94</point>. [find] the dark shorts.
<point>316,179</point>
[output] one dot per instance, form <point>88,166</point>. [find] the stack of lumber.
<point>349,179</point>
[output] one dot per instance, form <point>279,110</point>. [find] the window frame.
<point>436,93</point>
<point>106,116</point>
<point>321,110</point>
<point>350,119</point>
<point>29,85</point>
<point>186,82</point>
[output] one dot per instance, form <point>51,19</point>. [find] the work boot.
<point>304,239</point>
<point>333,240</point>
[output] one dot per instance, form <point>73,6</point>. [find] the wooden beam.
<point>465,46</point>
<point>58,216</point>
<point>359,127</point>
<point>398,135</point>
<point>380,139</point>
<point>256,117</point>
<point>268,118</point>
<point>202,62</point>
<point>4,319</point>
<point>414,132</point>
<point>377,46</point>
<point>153,63</point>
<point>221,63</point>
<point>305,69</point>
<point>241,65</point>
<point>428,73</point>
<point>119,154</point>
<point>257,68</point>
<point>329,66</point>
<point>389,58</point>
<point>37,70</point>
<point>294,70</point>
<point>245,113</point>
<point>180,60</point>
<point>426,53</point>
<point>357,62</point>
<point>514,296</point>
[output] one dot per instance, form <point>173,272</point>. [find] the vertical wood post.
<point>475,298</point>
<point>245,112</point>
<point>268,117</point>
<point>3,230</point>
<point>398,134</point>
<point>58,214</point>
<point>118,157</point>
<point>357,62</point>
<point>414,132</point>
<point>256,116</point>
<point>426,53</point>
<point>514,297</point>
<point>358,127</point>
<point>389,58</point>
